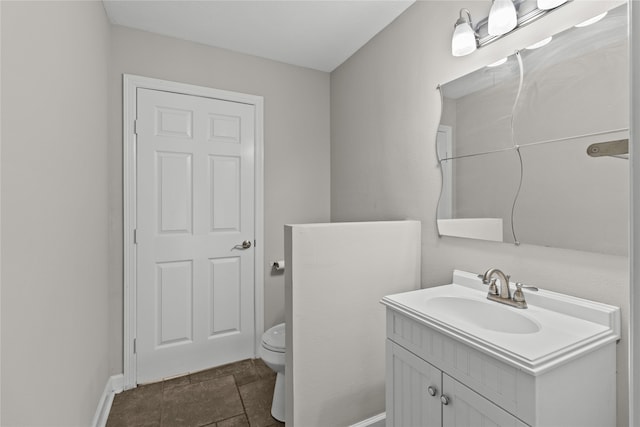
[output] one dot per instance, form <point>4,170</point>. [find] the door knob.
<point>444,399</point>
<point>432,390</point>
<point>244,245</point>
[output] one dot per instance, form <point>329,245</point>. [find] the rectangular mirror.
<point>514,139</point>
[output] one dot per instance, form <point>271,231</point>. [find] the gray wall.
<point>385,111</point>
<point>344,269</point>
<point>54,212</point>
<point>296,140</point>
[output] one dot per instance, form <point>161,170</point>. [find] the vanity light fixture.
<point>464,39</point>
<point>502,17</point>
<point>539,44</point>
<point>591,21</point>
<point>550,4</point>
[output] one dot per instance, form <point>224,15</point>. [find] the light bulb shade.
<point>463,41</point>
<point>591,21</point>
<point>502,17</point>
<point>539,44</point>
<point>550,4</point>
<point>498,63</point>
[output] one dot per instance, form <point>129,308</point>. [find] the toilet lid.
<point>273,339</point>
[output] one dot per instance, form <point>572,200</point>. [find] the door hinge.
<point>135,127</point>
<point>135,236</point>
<point>134,346</point>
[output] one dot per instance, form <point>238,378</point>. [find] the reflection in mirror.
<point>478,108</point>
<point>574,93</point>
<point>576,84</point>
<point>480,208</point>
<point>572,200</point>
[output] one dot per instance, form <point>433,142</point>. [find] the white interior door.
<point>195,208</point>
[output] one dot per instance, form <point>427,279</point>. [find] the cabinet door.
<point>467,408</point>
<point>409,402</point>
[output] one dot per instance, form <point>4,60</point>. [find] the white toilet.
<point>272,353</point>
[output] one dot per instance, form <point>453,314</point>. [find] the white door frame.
<point>130,85</point>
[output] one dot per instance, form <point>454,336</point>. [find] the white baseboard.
<point>375,421</point>
<point>115,384</point>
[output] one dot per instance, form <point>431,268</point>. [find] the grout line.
<point>244,408</point>
<point>235,416</point>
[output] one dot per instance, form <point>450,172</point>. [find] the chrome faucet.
<point>504,295</point>
<point>505,292</point>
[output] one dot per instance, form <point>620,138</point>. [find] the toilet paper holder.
<point>278,265</point>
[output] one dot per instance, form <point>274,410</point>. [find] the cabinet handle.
<point>444,399</point>
<point>432,390</point>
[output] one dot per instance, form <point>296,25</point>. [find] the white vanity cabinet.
<point>419,394</point>
<point>445,369</point>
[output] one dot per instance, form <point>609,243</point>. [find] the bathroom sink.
<point>553,329</point>
<point>485,314</point>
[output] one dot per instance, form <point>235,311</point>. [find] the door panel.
<point>225,197</point>
<point>225,302</point>
<point>195,206</point>
<point>174,304</point>
<point>224,128</point>
<point>174,192</point>
<point>174,122</point>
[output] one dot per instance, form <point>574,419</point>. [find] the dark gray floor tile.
<point>140,406</point>
<point>201,403</point>
<point>244,372</point>
<point>257,397</point>
<point>174,382</point>
<point>209,398</point>
<point>263,370</point>
<point>239,421</point>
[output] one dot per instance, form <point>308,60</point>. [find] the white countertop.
<point>560,327</point>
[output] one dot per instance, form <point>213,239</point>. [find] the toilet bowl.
<point>272,353</point>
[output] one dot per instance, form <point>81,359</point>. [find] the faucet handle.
<point>518,295</point>
<point>529,288</point>
<point>493,288</point>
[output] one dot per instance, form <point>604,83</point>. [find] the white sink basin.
<point>485,314</point>
<point>553,329</point>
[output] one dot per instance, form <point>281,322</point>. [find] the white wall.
<point>54,212</point>
<point>385,111</point>
<point>336,276</point>
<point>296,141</point>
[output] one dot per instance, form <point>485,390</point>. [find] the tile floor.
<point>235,395</point>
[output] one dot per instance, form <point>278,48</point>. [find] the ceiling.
<point>318,34</point>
